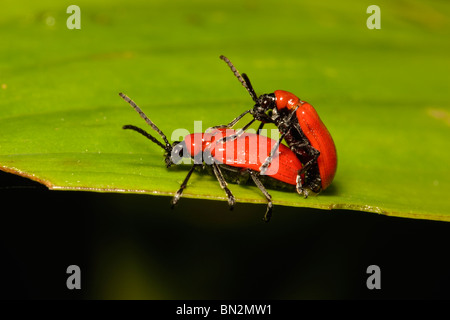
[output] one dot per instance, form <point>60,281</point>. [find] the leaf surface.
<point>383,94</point>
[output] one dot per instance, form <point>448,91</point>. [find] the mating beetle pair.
<point>230,158</point>
<point>309,163</point>
<point>301,127</point>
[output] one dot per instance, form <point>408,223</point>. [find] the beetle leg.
<point>316,185</point>
<point>299,185</point>
<point>268,160</point>
<point>312,187</point>
<point>260,128</point>
<point>237,134</point>
<point>182,187</point>
<point>284,131</point>
<point>261,187</point>
<point>223,184</point>
<point>234,174</point>
<point>305,148</point>
<point>302,147</point>
<point>232,123</point>
<point>315,153</point>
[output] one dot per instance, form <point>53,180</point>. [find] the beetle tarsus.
<point>268,214</point>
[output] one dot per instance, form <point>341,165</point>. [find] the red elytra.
<point>315,131</point>
<point>249,151</point>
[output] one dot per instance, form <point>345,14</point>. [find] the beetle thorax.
<point>286,100</point>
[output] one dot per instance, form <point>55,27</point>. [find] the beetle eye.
<point>266,102</point>
<point>178,148</point>
<point>177,152</point>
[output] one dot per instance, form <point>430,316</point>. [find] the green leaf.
<point>383,94</point>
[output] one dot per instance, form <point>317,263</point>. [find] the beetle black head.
<point>264,108</point>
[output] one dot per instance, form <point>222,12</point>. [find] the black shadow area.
<point>135,247</point>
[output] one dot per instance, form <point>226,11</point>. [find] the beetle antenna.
<point>147,135</point>
<point>244,80</point>
<point>167,147</point>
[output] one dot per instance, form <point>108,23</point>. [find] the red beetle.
<point>236,160</point>
<point>302,129</point>
<point>248,151</point>
<point>315,131</point>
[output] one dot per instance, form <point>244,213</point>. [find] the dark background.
<point>135,246</point>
